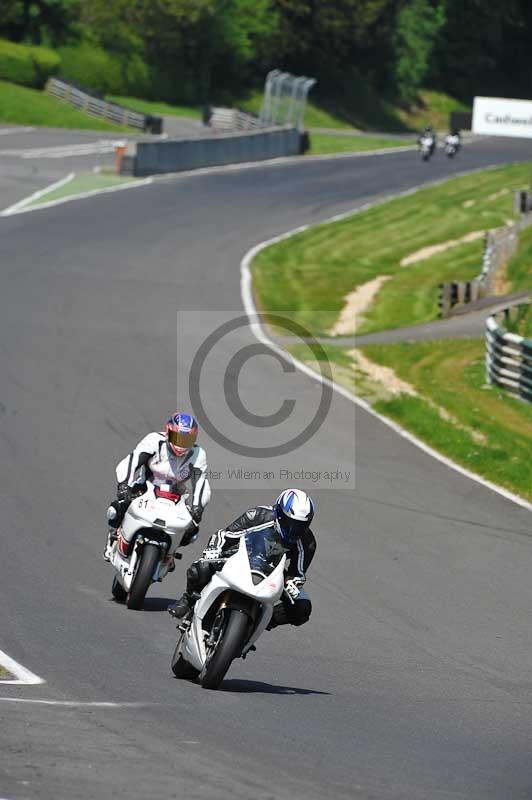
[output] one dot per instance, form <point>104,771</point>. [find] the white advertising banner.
<point>500,116</point>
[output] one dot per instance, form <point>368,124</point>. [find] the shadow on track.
<point>245,687</point>
<point>157,603</point>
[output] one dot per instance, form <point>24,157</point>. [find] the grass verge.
<point>452,410</point>
<point>309,275</point>
<point>157,108</point>
<point>519,272</point>
<point>324,144</point>
<point>22,106</point>
<point>92,181</point>
<point>4,674</point>
<point>522,324</point>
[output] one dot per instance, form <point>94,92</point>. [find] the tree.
<point>416,29</point>
<point>38,21</point>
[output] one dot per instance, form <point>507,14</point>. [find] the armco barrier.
<point>230,119</point>
<point>97,107</point>
<point>184,154</point>
<point>508,359</point>
<point>500,245</point>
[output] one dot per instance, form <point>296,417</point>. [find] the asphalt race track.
<point>413,678</point>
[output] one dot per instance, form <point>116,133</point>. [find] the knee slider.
<point>198,575</point>
<point>300,612</point>
<point>114,514</point>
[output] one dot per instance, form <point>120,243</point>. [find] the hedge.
<point>91,67</point>
<point>28,65</point>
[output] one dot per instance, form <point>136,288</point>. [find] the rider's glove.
<point>122,492</point>
<point>196,514</point>
<point>292,588</point>
<point>212,553</point>
<point>190,534</point>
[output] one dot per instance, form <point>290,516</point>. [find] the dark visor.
<point>187,440</point>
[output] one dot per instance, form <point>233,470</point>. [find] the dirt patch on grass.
<point>386,383</point>
<point>494,196</point>
<point>382,375</point>
<point>432,250</point>
<point>356,302</point>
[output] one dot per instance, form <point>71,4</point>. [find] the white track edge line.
<point>258,331</point>
<point>22,675</point>
<point>72,703</point>
<point>16,207</point>
<point>69,198</point>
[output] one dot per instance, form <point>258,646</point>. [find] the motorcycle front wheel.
<point>229,647</point>
<point>142,580</point>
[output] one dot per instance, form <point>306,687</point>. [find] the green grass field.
<point>22,106</point>
<point>323,144</point>
<point>522,323</point>
<point>519,271</point>
<point>478,426</point>
<point>310,274</point>
<point>157,108</point>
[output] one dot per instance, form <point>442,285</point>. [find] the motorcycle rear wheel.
<point>229,647</point>
<point>142,581</point>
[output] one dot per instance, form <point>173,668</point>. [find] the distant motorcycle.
<point>427,145</point>
<point>147,542</point>
<point>452,145</point>
<point>233,610</point>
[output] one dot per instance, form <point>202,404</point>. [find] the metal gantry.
<point>285,97</point>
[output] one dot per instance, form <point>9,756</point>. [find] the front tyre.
<point>229,647</point>
<point>142,580</point>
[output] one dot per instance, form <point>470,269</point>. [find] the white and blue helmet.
<point>294,511</point>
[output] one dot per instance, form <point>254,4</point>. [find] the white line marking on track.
<point>35,196</point>
<point>64,150</point>
<point>16,131</point>
<point>22,675</point>
<point>258,331</point>
<point>74,703</point>
<point>22,208</point>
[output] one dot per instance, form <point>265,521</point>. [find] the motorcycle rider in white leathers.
<point>172,461</point>
<point>290,517</point>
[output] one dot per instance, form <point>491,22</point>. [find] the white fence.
<point>231,119</point>
<point>101,108</point>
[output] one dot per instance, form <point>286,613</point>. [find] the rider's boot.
<point>182,606</point>
<point>278,617</point>
<point>111,539</point>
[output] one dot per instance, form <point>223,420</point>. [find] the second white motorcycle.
<point>147,542</point>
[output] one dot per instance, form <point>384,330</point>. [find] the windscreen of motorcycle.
<point>265,550</point>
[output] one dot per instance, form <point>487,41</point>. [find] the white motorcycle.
<point>452,145</point>
<point>147,541</point>
<point>426,147</point>
<point>232,610</point>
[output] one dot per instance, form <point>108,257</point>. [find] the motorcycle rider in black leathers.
<point>290,517</point>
